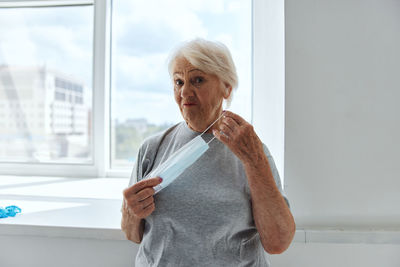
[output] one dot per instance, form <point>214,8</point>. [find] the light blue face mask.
<point>180,160</point>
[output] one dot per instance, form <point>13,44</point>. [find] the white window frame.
<point>268,105</point>
<point>100,102</point>
<point>101,149</point>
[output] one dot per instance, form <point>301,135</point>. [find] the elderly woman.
<point>226,208</point>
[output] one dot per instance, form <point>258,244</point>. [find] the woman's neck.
<point>214,124</point>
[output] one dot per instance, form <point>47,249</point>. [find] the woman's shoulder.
<point>148,151</point>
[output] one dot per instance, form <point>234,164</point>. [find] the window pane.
<point>46,84</point>
<point>143,33</point>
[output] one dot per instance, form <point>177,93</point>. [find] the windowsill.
<point>347,236</point>
<point>63,207</point>
<point>90,208</point>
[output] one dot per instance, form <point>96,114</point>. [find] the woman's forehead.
<point>182,65</point>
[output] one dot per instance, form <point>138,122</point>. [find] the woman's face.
<point>199,95</point>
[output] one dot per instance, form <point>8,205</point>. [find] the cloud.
<point>60,38</point>
<point>15,45</point>
<point>144,73</point>
<point>141,39</point>
<point>138,32</point>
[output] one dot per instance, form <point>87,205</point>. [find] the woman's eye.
<point>178,82</point>
<point>198,80</point>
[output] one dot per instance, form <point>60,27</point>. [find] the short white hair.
<point>210,57</point>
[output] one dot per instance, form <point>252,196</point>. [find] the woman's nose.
<point>187,90</point>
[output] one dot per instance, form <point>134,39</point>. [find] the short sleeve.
<point>275,173</point>
<point>145,158</point>
<point>137,173</point>
<point>134,175</point>
<point>137,170</point>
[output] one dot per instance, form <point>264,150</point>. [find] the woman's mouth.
<point>189,104</point>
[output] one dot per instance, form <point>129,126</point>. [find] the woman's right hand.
<point>139,200</point>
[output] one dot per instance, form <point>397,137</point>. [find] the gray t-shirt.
<point>204,218</point>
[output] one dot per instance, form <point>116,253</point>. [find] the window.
<point>141,93</point>
<point>46,55</point>
<point>92,77</point>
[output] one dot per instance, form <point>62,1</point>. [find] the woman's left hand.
<point>240,137</point>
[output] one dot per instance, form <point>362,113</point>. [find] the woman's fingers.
<point>145,203</point>
<point>239,120</point>
<point>143,194</point>
<point>221,137</point>
<point>145,183</point>
<point>225,129</point>
<point>229,126</point>
<point>139,197</point>
<point>230,122</point>
<point>143,213</point>
<point>148,210</point>
<point>140,208</point>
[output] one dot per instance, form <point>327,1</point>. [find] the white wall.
<point>342,123</point>
<point>342,111</point>
<point>33,251</point>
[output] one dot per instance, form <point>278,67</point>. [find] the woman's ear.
<point>227,91</point>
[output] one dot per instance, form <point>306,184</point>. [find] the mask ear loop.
<point>211,140</point>
<point>211,126</point>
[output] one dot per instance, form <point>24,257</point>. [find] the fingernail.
<point>160,180</point>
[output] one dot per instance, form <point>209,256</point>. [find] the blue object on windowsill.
<point>9,211</point>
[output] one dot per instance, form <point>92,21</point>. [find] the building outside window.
<point>46,84</point>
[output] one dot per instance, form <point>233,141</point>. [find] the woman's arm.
<point>138,203</point>
<point>272,215</point>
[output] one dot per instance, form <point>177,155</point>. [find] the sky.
<point>143,34</point>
